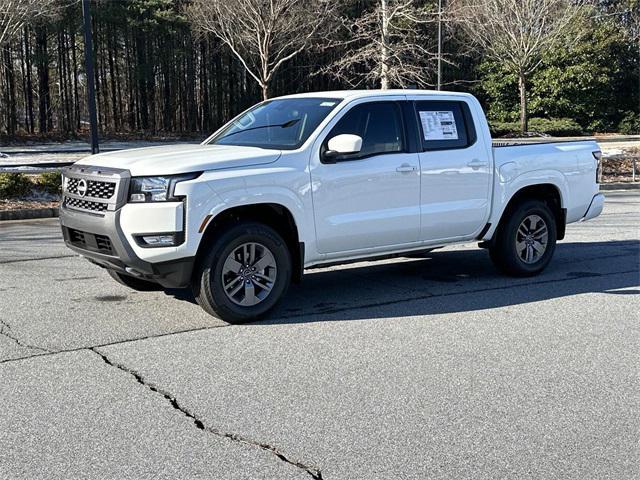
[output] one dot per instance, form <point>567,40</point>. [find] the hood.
<point>174,159</point>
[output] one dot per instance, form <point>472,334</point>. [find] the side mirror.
<point>343,145</point>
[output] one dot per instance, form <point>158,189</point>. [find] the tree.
<point>388,46</point>
<point>263,35</point>
<point>15,14</point>
<point>156,75</point>
<point>582,82</point>
<point>518,33</point>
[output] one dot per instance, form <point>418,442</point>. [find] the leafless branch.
<point>15,14</point>
<point>393,44</point>
<point>263,34</point>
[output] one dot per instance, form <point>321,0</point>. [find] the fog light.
<point>166,240</point>
<point>160,239</point>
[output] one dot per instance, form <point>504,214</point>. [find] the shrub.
<point>630,124</point>
<point>14,185</point>
<point>51,182</point>
<point>557,127</point>
<point>500,129</point>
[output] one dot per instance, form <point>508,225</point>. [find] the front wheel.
<point>244,273</point>
<point>526,241</point>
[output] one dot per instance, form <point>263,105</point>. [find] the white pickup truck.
<point>323,178</point>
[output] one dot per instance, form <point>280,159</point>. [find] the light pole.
<point>439,44</point>
<point>91,90</point>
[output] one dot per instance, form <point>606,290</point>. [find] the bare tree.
<point>388,45</point>
<point>15,14</point>
<point>518,33</point>
<point>263,34</point>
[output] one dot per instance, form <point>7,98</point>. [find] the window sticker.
<point>327,104</point>
<point>439,125</point>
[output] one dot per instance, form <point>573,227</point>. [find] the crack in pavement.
<point>110,344</point>
<point>5,330</point>
<point>313,472</point>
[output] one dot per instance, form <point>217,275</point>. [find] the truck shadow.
<point>452,282</point>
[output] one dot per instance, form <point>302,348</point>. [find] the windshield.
<point>283,124</point>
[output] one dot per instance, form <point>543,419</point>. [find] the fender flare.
<point>506,192</point>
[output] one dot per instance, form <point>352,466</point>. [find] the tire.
<point>224,264</point>
<point>517,254</point>
<point>134,283</point>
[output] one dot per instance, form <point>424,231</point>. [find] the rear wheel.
<point>526,241</point>
<point>134,283</point>
<point>244,274</point>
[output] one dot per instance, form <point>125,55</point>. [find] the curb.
<point>29,213</point>
<point>620,186</point>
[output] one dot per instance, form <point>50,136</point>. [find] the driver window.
<point>379,125</point>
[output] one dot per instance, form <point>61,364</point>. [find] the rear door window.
<point>445,125</point>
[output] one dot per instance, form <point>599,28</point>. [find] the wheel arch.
<point>274,215</point>
<point>550,193</point>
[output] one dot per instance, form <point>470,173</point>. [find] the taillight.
<point>598,156</point>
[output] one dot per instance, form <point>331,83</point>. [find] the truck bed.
<point>535,141</point>
<point>570,165</point>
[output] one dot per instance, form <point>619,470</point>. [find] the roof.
<point>352,94</point>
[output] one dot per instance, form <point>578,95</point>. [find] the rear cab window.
<point>444,125</point>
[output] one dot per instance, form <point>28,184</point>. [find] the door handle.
<point>476,164</point>
<point>405,167</point>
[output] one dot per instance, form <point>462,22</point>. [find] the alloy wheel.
<point>532,239</point>
<point>249,274</point>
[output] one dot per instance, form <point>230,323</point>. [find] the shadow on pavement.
<point>452,281</point>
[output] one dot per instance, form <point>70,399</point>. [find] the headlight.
<point>156,189</point>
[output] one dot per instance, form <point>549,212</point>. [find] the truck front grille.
<point>95,189</point>
<point>71,202</point>
<point>90,241</point>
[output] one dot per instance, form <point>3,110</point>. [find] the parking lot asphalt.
<point>413,368</point>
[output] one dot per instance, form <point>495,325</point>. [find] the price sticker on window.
<point>439,125</point>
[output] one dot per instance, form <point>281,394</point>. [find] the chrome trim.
<point>97,174</point>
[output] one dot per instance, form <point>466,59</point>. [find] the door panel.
<point>370,199</point>
<point>455,172</point>
<point>455,196</point>
<point>366,203</point>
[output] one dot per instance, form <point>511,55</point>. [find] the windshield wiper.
<point>288,124</point>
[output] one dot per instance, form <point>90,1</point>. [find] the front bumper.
<point>101,240</point>
<point>595,208</point>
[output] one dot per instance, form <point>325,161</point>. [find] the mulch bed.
<point>27,204</point>
<point>621,169</point>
